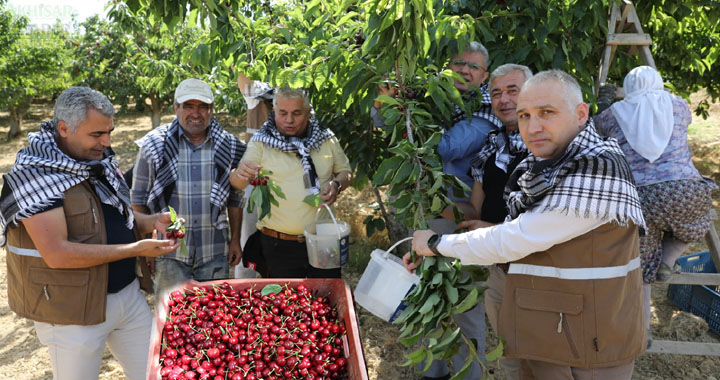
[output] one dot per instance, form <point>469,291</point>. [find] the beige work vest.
<point>61,296</point>
<point>579,303</point>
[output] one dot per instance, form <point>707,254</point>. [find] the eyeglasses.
<point>461,63</point>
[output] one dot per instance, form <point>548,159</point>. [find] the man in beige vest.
<point>70,237</point>
<point>572,306</point>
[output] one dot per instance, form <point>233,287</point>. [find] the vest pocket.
<point>549,326</point>
<point>81,217</point>
<point>58,294</point>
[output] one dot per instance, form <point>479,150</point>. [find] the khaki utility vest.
<point>578,303</point>
<point>61,296</point>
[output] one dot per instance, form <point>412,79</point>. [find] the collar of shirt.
<point>181,131</point>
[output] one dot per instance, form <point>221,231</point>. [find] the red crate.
<point>338,293</point>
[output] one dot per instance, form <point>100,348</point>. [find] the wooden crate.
<point>336,290</point>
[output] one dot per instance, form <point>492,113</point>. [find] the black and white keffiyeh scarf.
<point>162,144</point>
<point>591,179</point>
<point>480,104</point>
<point>505,146</point>
<point>42,173</point>
<point>315,136</point>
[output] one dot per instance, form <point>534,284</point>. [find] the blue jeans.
<point>170,272</point>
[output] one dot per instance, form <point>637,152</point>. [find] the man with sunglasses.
<point>460,142</point>
<point>466,135</point>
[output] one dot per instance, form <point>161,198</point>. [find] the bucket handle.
<point>396,244</point>
<point>337,227</point>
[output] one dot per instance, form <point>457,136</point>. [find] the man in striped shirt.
<point>186,164</point>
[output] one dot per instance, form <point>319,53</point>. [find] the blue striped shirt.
<point>191,199</point>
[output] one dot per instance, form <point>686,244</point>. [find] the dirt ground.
<point>22,357</point>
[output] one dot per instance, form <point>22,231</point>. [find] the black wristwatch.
<point>433,244</point>
<point>337,183</point>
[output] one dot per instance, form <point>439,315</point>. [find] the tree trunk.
<point>156,109</point>
<point>139,103</point>
<point>16,117</point>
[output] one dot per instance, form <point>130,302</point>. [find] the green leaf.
<point>276,189</point>
<point>477,272</point>
<point>173,214</point>
<point>428,361</point>
<point>463,372</point>
<point>446,265</point>
<point>437,205</point>
<point>388,100</point>
<point>434,139</point>
<point>313,200</point>
<point>256,200</point>
<point>435,334</point>
<point>430,303</point>
<point>451,292</point>
<point>382,176</point>
<point>496,353</point>
<point>403,173</point>
<point>411,340</point>
<point>271,289</point>
<point>467,303</point>
<point>445,343</point>
<point>402,201</point>
<point>418,355</point>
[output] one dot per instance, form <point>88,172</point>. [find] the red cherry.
<point>213,353</point>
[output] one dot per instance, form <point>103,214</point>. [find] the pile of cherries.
<point>220,333</point>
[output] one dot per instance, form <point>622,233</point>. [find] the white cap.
<point>193,89</point>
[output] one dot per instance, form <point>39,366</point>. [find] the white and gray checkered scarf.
<point>591,179</point>
<point>505,146</point>
<point>162,143</point>
<point>42,173</point>
<point>481,106</point>
<point>315,136</point>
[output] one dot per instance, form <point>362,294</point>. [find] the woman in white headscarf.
<point>650,125</point>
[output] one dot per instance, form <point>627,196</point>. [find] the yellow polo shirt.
<point>293,214</point>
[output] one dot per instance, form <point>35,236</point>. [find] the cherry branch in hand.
<point>263,194</point>
<point>176,230</point>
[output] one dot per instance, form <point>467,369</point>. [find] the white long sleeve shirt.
<point>529,233</point>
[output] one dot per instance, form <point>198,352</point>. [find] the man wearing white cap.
<point>186,164</point>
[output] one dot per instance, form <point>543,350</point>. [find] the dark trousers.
<point>289,259</point>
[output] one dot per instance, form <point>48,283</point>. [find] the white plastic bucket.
<point>328,242</point>
<point>384,284</point>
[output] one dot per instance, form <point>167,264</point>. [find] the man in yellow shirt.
<point>305,159</point>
